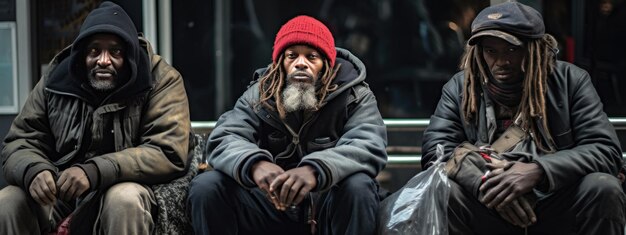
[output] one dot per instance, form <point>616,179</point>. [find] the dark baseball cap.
<point>511,21</point>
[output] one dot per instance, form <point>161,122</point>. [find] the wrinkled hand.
<point>519,212</point>
<point>43,189</point>
<point>293,185</point>
<point>72,183</point>
<point>507,184</point>
<point>263,174</point>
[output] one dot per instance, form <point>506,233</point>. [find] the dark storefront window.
<point>410,47</point>
<point>58,22</point>
<point>57,25</point>
<point>193,54</point>
<point>604,52</point>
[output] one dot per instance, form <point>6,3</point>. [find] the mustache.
<point>101,70</point>
<point>503,69</point>
<point>301,73</point>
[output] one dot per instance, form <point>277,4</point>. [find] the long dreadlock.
<point>538,63</point>
<point>273,83</point>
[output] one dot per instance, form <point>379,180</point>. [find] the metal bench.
<point>399,156</point>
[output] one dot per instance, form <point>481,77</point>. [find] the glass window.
<point>193,55</point>
<point>8,69</point>
<point>604,50</point>
<point>58,23</point>
<point>410,47</point>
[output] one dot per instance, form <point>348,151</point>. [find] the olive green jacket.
<point>58,128</point>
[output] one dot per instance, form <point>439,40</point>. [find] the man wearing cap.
<point>108,119</point>
<point>299,151</point>
<point>560,177</point>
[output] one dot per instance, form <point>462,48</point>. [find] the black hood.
<point>107,18</point>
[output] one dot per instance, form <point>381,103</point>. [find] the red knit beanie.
<point>305,30</point>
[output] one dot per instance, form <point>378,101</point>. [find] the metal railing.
<point>398,125</point>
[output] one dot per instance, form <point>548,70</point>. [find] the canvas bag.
<point>467,165</point>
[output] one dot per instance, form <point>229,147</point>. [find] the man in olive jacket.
<point>107,119</point>
<point>300,149</point>
<point>560,176</point>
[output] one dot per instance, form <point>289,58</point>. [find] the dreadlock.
<point>538,63</point>
<point>273,83</point>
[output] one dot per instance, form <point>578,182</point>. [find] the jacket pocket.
<point>320,143</point>
<point>564,140</point>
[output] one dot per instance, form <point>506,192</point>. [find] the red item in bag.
<point>63,228</point>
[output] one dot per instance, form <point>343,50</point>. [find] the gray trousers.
<point>597,205</point>
<point>125,209</point>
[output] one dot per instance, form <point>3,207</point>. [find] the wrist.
<point>250,167</point>
<point>92,173</point>
<point>542,181</point>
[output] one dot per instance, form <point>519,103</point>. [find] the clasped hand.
<point>284,188</point>
<point>72,183</point>
<point>504,190</point>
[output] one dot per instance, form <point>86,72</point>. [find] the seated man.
<point>560,177</point>
<point>106,121</point>
<point>300,148</point>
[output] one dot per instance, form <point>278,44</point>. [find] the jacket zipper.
<point>295,139</point>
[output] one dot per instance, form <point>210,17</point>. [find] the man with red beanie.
<point>299,151</point>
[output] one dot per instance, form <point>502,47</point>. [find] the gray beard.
<point>101,85</point>
<point>299,96</point>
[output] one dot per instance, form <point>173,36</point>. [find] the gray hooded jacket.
<point>347,135</point>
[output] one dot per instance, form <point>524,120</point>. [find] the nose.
<point>503,61</point>
<point>105,59</point>
<point>300,63</point>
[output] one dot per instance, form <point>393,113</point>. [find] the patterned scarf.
<point>508,93</point>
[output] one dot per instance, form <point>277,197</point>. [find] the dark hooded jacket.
<point>585,140</point>
<point>139,132</point>
<point>345,136</point>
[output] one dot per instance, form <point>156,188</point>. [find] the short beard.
<point>101,85</point>
<point>299,96</point>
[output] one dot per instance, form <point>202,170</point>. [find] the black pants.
<point>597,205</point>
<point>219,205</point>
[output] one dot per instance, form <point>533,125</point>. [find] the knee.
<point>125,197</point>
<point>601,186</point>
<point>359,185</point>
<point>208,185</point>
<point>602,193</point>
<point>14,200</point>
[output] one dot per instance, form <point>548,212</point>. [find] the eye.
<point>513,49</point>
<point>290,55</point>
<point>117,52</point>
<point>313,56</point>
<point>490,51</point>
<point>93,51</point>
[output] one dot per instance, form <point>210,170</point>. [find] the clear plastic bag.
<point>420,206</point>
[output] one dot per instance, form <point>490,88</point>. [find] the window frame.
<point>14,107</point>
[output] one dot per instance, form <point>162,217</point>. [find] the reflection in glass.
<point>8,79</point>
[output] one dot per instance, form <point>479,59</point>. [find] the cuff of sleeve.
<point>107,170</point>
<point>245,175</point>
<point>544,185</point>
<point>91,170</point>
<point>34,170</point>
<point>321,175</point>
